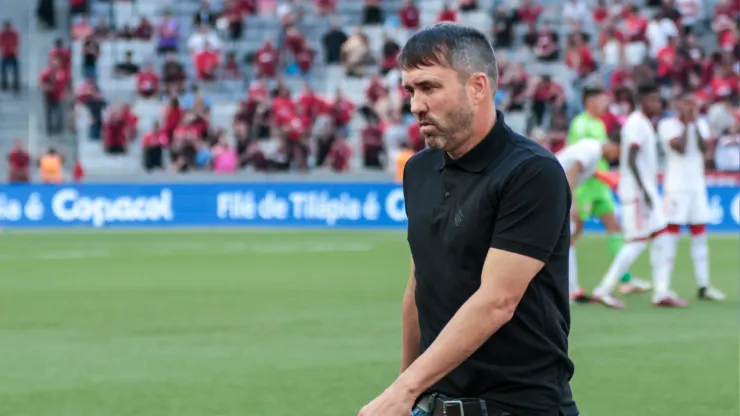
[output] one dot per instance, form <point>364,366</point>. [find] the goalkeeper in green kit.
<point>594,197</point>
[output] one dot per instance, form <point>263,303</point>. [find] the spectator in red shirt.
<point>341,111</point>
<point>294,40</point>
<point>635,31</point>
<point>19,164</point>
<point>415,139</point>
<point>447,14</point>
<point>266,60</point>
<point>173,74</point>
<point>727,32</point>
<point>729,8</point>
<point>310,102</point>
<point>325,7</point>
<point>547,95</point>
<point>207,62</point>
<point>601,12</point>
<point>374,90</point>
<point>147,82</point>
<point>85,90</point>
<point>114,132</point>
<point>545,43</point>
<point>621,77</point>
<point>154,142</point>
<point>390,54</point>
<point>54,81</point>
<point>131,120</point>
<point>409,15</point>
<point>231,70</point>
<point>373,148</point>
<point>9,42</point>
<point>725,84</point>
<point>578,56</point>
<point>173,115</point>
<point>233,12</point>
<point>62,53</point>
<point>666,59</point>
<point>304,60</point>
<point>145,30</point>
<point>529,12</point>
<point>339,155</point>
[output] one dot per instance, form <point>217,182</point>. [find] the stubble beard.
<point>457,123</point>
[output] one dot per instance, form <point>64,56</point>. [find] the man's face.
<point>440,104</point>
<point>652,105</point>
<point>600,103</point>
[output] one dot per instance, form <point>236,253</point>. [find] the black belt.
<point>438,406</point>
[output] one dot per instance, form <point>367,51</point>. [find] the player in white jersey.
<point>580,162</point>
<point>642,210</point>
<point>684,186</point>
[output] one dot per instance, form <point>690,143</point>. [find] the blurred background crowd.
<point>132,86</point>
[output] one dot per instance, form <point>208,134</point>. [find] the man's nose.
<point>418,106</point>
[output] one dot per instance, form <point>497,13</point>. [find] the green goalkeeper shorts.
<point>594,199</point>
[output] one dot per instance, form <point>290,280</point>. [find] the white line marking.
<point>213,250</point>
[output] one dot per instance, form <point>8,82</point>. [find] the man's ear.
<point>478,84</point>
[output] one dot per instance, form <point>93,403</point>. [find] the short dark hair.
<point>646,89</point>
<point>451,45</point>
<point>590,92</point>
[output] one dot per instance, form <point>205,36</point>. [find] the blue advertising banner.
<point>289,205</point>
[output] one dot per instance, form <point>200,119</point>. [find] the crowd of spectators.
<point>278,129</point>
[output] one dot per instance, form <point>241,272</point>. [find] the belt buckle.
<point>451,404</point>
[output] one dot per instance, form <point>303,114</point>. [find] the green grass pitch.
<point>283,323</point>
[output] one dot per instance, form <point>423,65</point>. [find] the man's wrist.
<point>405,385</point>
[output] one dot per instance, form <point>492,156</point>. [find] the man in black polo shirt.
<point>486,312</point>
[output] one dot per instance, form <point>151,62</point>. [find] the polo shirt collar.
<point>479,157</point>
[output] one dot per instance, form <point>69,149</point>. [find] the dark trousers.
<point>54,116</point>
<point>10,64</point>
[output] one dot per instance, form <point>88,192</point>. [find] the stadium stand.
<point>268,85</point>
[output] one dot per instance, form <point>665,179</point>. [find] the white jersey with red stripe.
<point>684,171</point>
<point>640,220</point>
<point>684,185</point>
<point>638,132</point>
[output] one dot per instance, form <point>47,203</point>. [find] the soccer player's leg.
<point>577,294</point>
<point>636,234</point>
<point>604,207</point>
<point>662,256</point>
<point>698,216</point>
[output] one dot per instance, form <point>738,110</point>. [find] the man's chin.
<point>434,142</point>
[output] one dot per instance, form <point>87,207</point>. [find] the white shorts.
<point>686,207</point>
<point>640,222</point>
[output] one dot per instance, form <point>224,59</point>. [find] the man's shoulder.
<point>668,121</point>
<point>424,159</point>
<point>636,118</point>
<point>525,158</point>
<point>523,149</point>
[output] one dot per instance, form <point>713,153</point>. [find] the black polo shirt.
<point>508,193</point>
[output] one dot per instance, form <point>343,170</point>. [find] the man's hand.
<point>395,401</point>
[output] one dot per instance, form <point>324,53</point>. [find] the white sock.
<point>700,257</point>
<point>662,257</point>
<point>573,271</point>
<point>626,257</point>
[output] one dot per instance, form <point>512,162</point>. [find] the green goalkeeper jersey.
<point>584,126</point>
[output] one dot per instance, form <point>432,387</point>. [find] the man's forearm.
<point>701,140</point>
<point>411,337</point>
<point>479,318</point>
